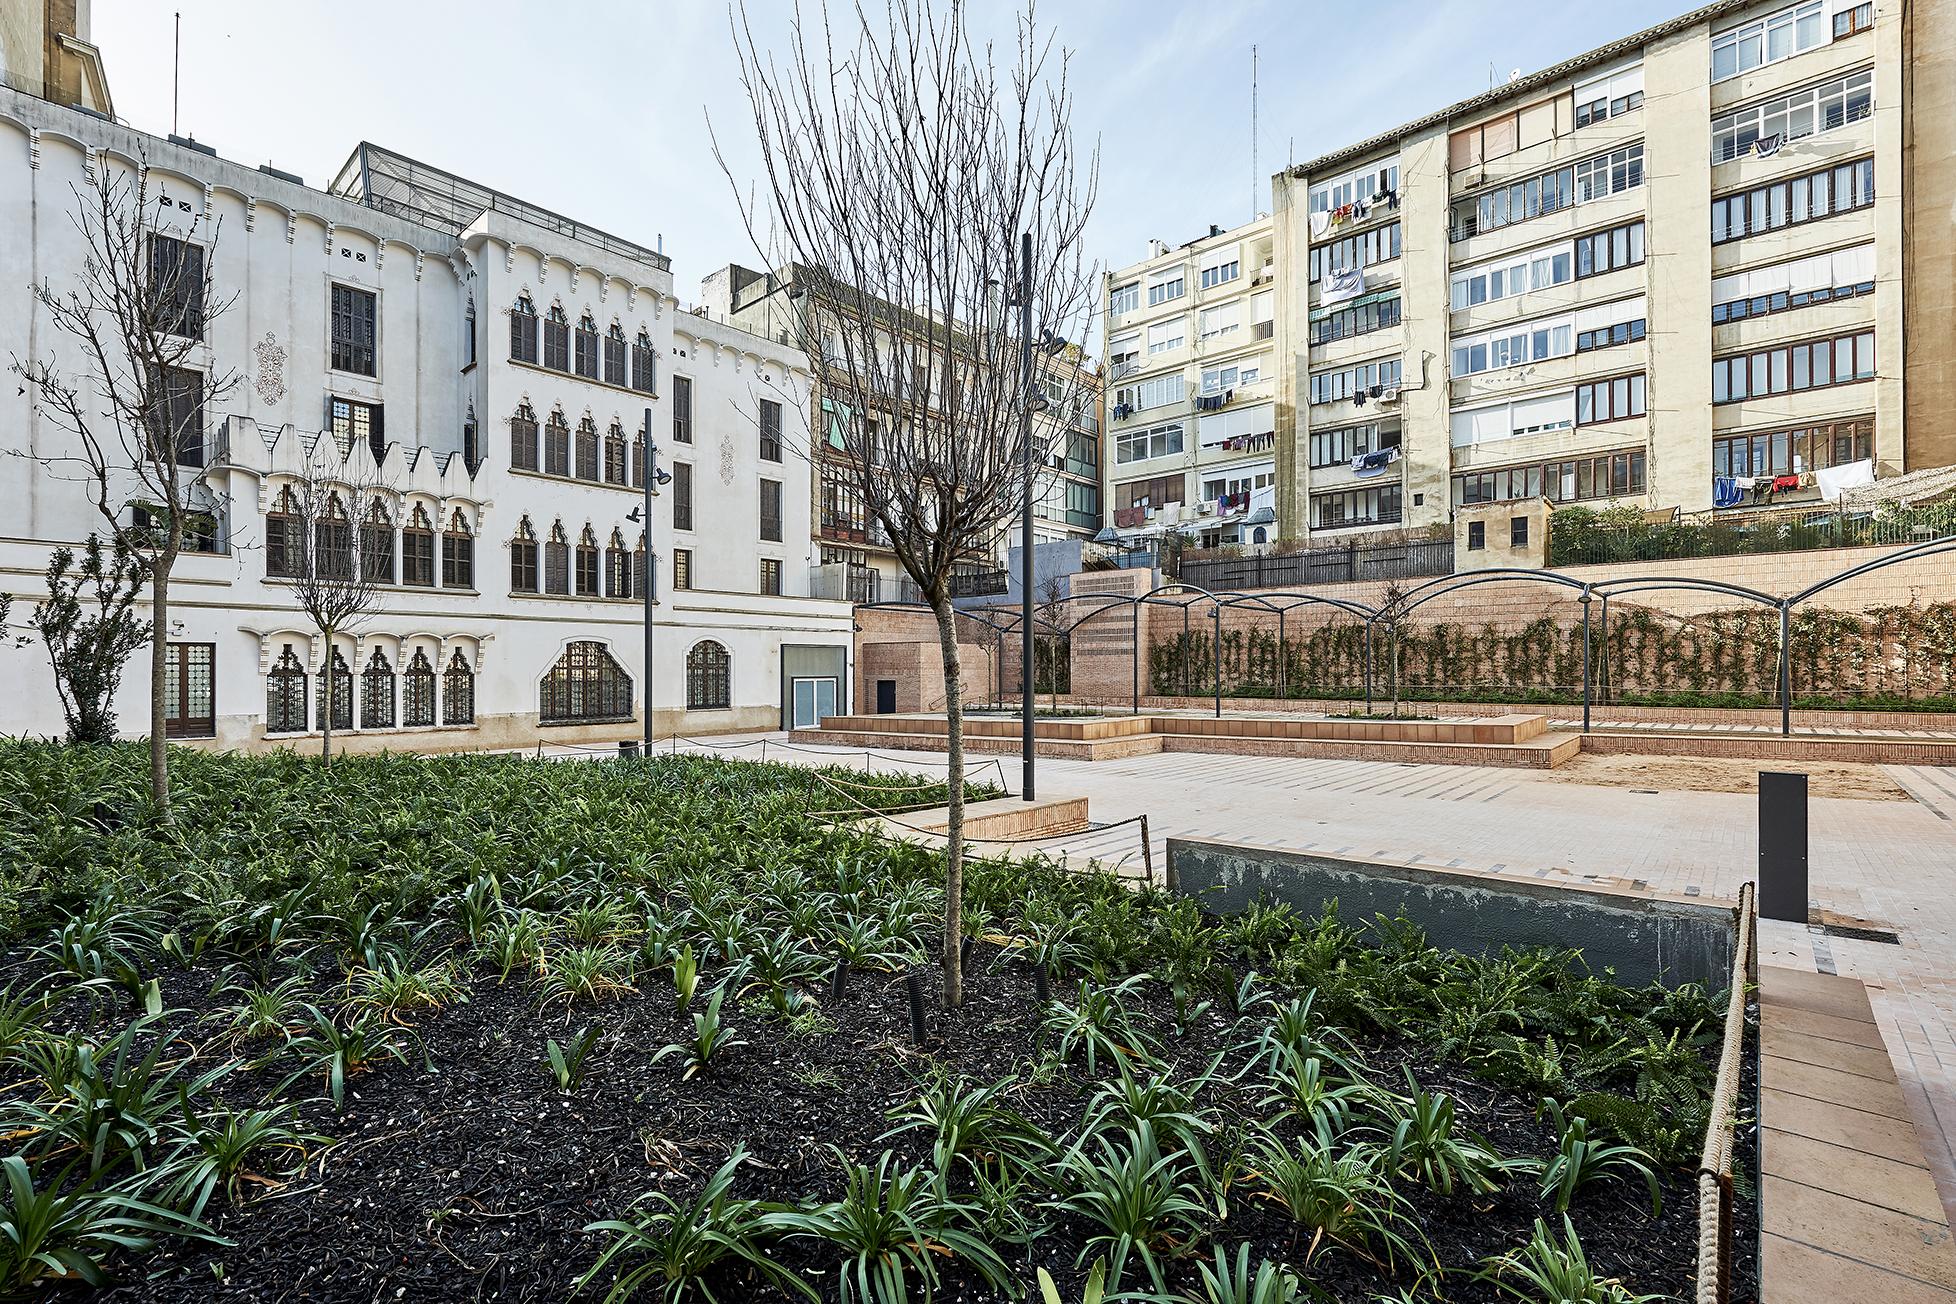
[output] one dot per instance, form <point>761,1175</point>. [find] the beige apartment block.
<point>1194,363</point>
<point>1719,247</point>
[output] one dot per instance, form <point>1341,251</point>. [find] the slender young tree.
<point>1052,611</point>
<point>334,546</point>
<point>87,648</point>
<point>1392,615</point>
<point>131,400</point>
<point>901,165</point>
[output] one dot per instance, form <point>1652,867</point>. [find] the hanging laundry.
<point>1366,465</point>
<point>1725,492</point>
<point>1320,222</point>
<point>1836,480</point>
<point>1767,146</point>
<point>1783,483</point>
<point>1346,283</point>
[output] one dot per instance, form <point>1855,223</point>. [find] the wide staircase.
<point>1517,741</point>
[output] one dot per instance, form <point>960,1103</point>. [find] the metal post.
<point>1216,616</point>
<point>1585,661</point>
<point>1283,685</point>
<point>650,471</point>
<point>1147,852</point>
<point>1785,670</point>
<point>1368,666</point>
<point>1603,666</point>
<point>1783,846</point>
<point>1185,648</point>
<point>1137,656</point>
<point>1025,525</point>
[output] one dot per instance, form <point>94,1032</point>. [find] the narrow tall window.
<point>418,693</point>
<point>176,287</point>
<point>471,442</point>
<point>556,445</point>
<point>556,561</point>
<point>682,495</point>
<point>354,333</point>
<point>770,430</point>
<point>587,347</point>
<point>333,542</point>
<point>682,568</point>
<point>377,693</point>
<point>556,339</point>
<point>336,693</point>
<point>614,355</point>
<point>771,510</point>
<point>458,554</point>
<point>468,334</point>
<point>523,439</point>
<point>284,537</point>
<point>709,675</point>
<point>645,365</point>
<point>189,685</point>
<point>617,567</point>
<point>285,695</point>
<point>587,449</point>
<point>377,546</point>
<point>585,684</point>
<point>523,559</point>
<point>614,455</point>
<point>771,576</point>
<point>587,564</point>
<point>682,409</point>
<point>458,691</point>
<point>523,331</point>
<point>351,421</point>
<point>418,549</point>
<point>177,428</point>
<point>638,459</point>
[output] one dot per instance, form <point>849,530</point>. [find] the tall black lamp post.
<point>648,583</point>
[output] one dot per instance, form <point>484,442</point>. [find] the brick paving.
<point>1889,862</point>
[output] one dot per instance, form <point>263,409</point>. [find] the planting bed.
<point>1366,1113</point>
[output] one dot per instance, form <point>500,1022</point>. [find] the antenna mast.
<point>1256,191</point>
<point>176,70</point>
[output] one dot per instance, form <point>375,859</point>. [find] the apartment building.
<point>789,306</point>
<point>1193,357</point>
<point>1705,264</point>
<point>491,366</point>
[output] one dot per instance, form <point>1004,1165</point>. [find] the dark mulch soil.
<point>465,1174</point>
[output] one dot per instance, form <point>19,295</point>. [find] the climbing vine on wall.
<point>1898,654</point>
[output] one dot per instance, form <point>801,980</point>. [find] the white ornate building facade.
<point>493,366</point>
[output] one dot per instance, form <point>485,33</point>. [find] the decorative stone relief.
<point>270,383</point>
<point>727,457</point>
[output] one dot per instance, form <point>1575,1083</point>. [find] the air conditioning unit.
<point>1390,394</point>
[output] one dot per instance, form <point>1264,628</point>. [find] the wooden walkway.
<point>1850,1211</point>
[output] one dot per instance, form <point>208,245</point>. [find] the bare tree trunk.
<point>159,669</point>
<point>947,644</point>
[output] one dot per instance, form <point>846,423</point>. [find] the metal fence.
<point>1574,541</point>
<point>1415,559</point>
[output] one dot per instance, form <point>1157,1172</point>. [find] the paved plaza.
<point>1890,862</point>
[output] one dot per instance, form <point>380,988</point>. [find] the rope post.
<point>1147,852</point>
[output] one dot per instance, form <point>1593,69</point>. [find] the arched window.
<point>285,547</point>
<point>556,561</point>
<point>587,449</point>
<point>1260,535</point>
<point>377,693</point>
<point>523,559</point>
<point>708,671</point>
<point>617,568</point>
<point>333,542</point>
<point>645,365</point>
<point>471,442</point>
<point>556,339</point>
<point>522,330</point>
<point>585,684</point>
<point>458,691</point>
<point>614,454</point>
<point>336,692</point>
<point>285,695</point>
<point>587,564</point>
<point>418,549</point>
<point>614,355</point>
<point>587,347</point>
<point>377,545</point>
<point>457,554</point>
<point>556,445</point>
<point>638,459</point>
<point>418,692</point>
<point>639,583</point>
<point>523,439</point>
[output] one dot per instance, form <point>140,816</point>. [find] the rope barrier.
<point>611,749</point>
<point>1715,1163</point>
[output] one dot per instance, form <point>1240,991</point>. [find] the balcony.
<point>977,584</point>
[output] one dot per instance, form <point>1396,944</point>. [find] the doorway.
<point>886,697</point>
<point>814,700</point>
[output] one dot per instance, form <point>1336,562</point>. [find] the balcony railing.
<point>977,584</point>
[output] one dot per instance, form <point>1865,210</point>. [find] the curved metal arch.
<point>1929,548</point>
<point>1313,599</point>
<point>1656,583</point>
<point>1421,594</point>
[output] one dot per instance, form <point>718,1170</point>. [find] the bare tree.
<point>133,402</point>
<point>331,539</point>
<point>901,169</point>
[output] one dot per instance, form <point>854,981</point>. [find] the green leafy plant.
<point>397,988</point>
<point>259,1011</point>
<point>1341,1195</point>
<point>1426,1146</point>
<point>891,1226</point>
<point>89,624</point>
<point>66,1230</point>
<point>1230,1281</point>
<point>667,1249</point>
<point>1095,1026</point>
<point>685,976</point>
<point>567,1059</point>
<point>1578,1160</point>
<point>1554,1270</point>
<point>712,1038</point>
<point>587,975</point>
<point>340,1052</point>
<point>972,1123</point>
<point>218,1151</point>
<point>1142,1202</point>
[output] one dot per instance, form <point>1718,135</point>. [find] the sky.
<point>600,109</point>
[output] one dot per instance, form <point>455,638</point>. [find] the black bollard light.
<point>914,981</point>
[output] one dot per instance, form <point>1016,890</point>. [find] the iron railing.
<point>1412,560</point>
<point>1575,542</point>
